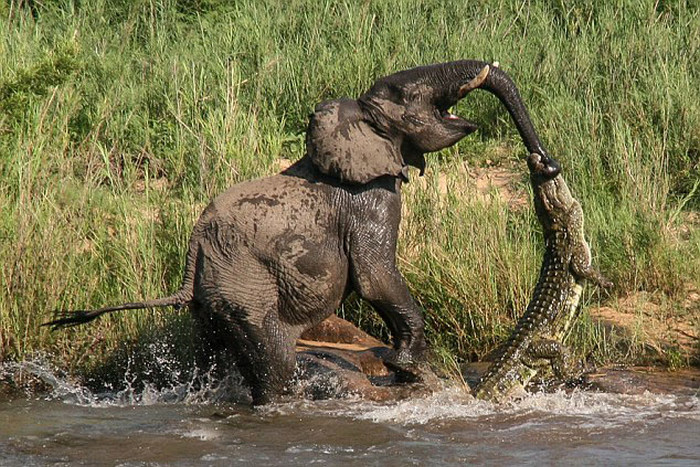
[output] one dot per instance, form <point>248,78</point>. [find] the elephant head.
<point>405,115</point>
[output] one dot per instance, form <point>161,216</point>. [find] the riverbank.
<point>120,121</point>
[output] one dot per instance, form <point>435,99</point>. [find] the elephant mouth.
<point>451,120</point>
<point>447,115</point>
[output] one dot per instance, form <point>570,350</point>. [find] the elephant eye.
<point>393,92</point>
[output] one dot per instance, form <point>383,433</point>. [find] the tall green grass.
<point>119,120</point>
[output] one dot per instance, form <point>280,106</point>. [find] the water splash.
<point>453,405</point>
<point>135,387</point>
<point>29,374</point>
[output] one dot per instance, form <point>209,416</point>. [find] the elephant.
<point>272,257</point>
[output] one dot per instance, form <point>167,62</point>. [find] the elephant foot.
<point>419,373</point>
<point>409,362</point>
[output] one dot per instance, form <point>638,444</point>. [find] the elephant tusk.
<point>474,83</point>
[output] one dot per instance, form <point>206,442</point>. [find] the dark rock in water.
<point>337,359</point>
<point>325,375</point>
<point>338,331</point>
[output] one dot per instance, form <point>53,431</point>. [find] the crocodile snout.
<point>543,166</point>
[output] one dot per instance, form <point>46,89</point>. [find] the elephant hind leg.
<point>251,333</point>
<point>240,296</point>
<point>266,357</point>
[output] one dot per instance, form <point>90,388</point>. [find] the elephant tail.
<point>178,300</point>
<point>73,318</point>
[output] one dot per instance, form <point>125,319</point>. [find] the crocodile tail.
<point>179,299</point>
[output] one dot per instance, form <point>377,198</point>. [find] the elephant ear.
<point>341,144</point>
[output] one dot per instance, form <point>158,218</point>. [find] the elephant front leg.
<point>407,327</point>
<point>376,278</point>
<point>386,291</point>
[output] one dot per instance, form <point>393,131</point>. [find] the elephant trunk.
<point>472,74</point>
<point>499,83</point>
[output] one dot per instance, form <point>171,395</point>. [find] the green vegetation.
<point>120,120</point>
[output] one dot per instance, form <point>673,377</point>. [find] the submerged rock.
<point>336,359</point>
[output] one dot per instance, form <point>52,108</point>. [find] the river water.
<point>180,425</point>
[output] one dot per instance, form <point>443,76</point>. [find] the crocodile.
<point>538,341</point>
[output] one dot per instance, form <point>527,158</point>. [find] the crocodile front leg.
<point>507,381</point>
<point>564,366</point>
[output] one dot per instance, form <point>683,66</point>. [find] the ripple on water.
<point>193,422</point>
<point>199,422</point>
<point>450,403</point>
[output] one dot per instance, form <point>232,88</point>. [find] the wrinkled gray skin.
<point>270,258</point>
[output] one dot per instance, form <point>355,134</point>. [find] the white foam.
<point>599,409</point>
<point>322,449</point>
<point>204,434</point>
